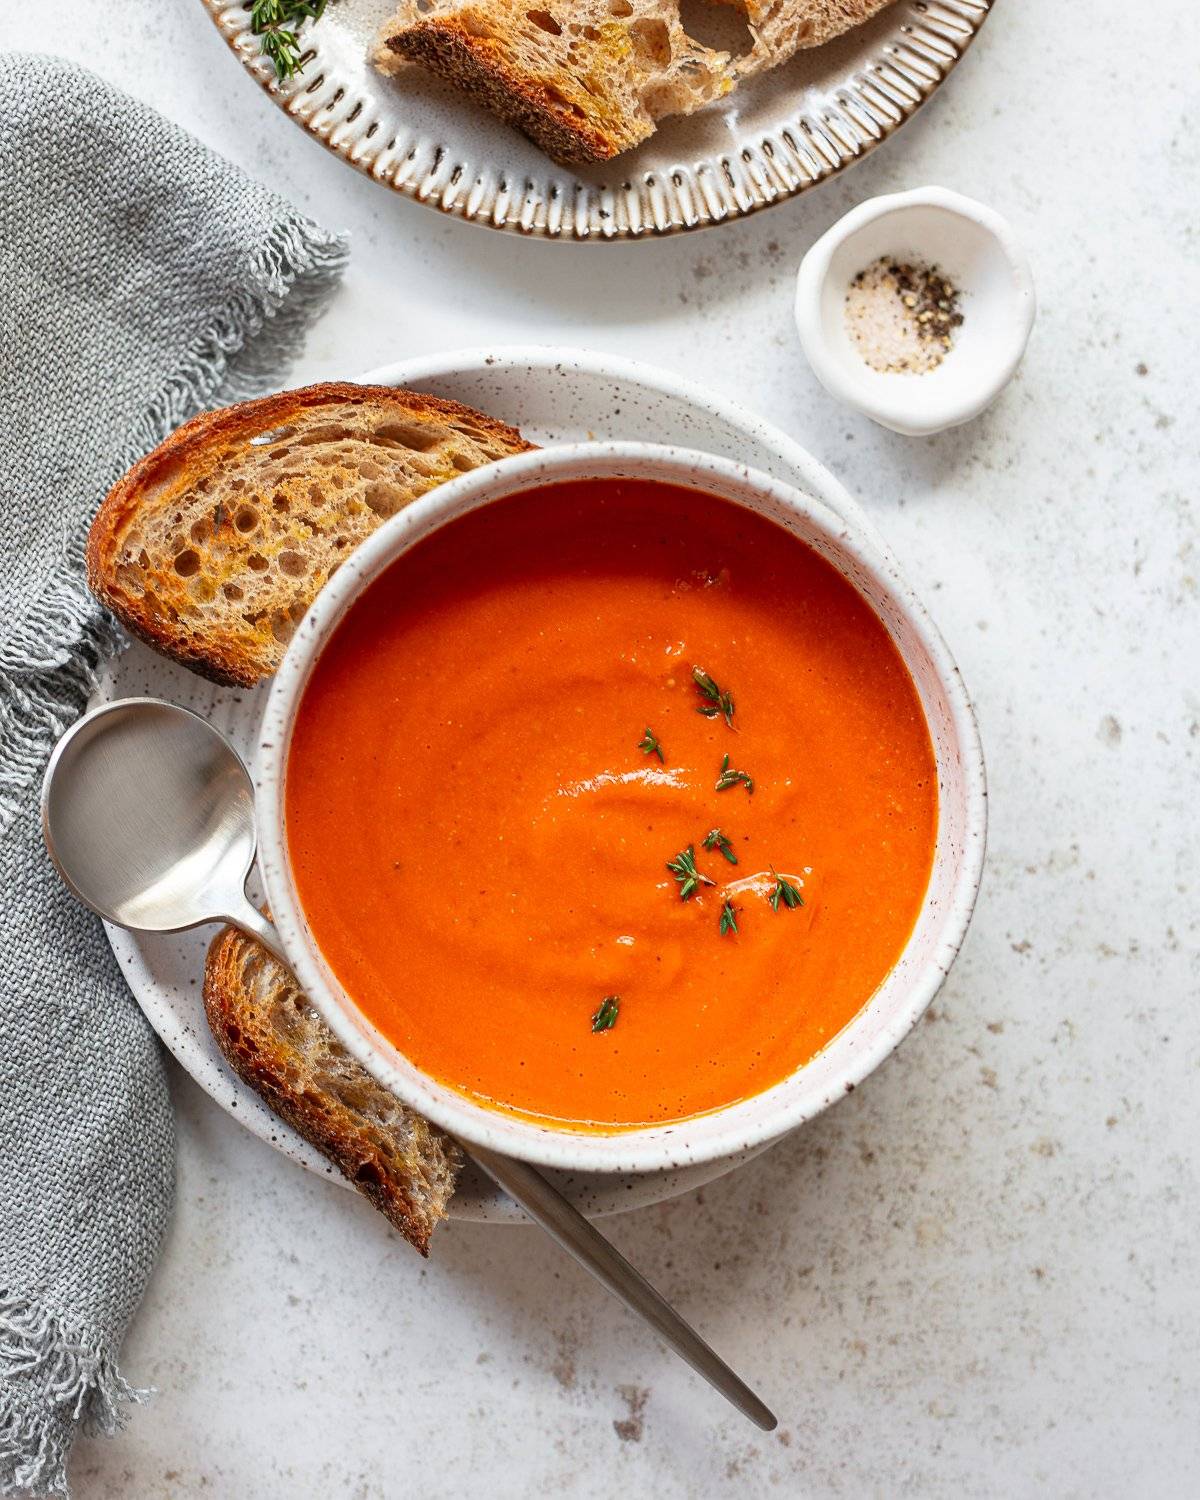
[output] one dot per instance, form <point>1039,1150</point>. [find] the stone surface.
<point>977,1276</point>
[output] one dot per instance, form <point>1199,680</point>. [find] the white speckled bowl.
<point>890,1013</point>
<point>978,252</point>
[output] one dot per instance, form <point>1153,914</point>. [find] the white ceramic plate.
<point>555,396</point>
<point>772,138</point>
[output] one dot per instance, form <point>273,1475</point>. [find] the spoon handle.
<point>237,908</point>
<point>563,1222</point>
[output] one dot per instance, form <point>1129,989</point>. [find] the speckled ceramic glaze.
<point>900,999</point>
<point>777,135</point>
<point>558,395</point>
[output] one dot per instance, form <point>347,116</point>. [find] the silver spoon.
<point>148,814</point>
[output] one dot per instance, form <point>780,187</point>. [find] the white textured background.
<point>979,1274</point>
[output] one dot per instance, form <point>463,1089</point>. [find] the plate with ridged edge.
<point>776,136</point>
<point>558,396</point>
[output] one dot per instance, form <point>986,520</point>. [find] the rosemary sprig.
<point>784,891</point>
<point>730,777</point>
<point>728,917</point>
<point>606,1017</point>
<point>650,746</point>
<point>683,867</point>
<point>717,703</point>
<point>715,839</point>
<point>276,24</point>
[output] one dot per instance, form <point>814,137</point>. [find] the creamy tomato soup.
<point>610,803</point>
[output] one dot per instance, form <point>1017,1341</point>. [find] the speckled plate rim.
<point>364,125</point>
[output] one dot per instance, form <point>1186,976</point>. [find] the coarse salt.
<point>901,317</point>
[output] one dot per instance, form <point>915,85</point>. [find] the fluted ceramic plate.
<point>557,396</point>
<point>772,138</point>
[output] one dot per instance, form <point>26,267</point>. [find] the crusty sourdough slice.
<point>586,82</point>
<point>277,1043</point>
<point>592,79</point>
<point>214,545</point>
<point>781,30</point>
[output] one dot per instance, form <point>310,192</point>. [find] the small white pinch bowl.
<point>886,1017</point>
<point>980,256</point>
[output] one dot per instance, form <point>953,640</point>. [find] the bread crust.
<point>408,1178</point>
<point>475,64</point>
<point>780,32</point>
<point>192,453</point>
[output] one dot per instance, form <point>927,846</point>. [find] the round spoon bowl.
<point>148,815</point>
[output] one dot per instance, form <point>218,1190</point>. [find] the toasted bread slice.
<point>593,79</point>
<point>780,31</point>
<point>585,84</point>
<point>276,1042</point>
<point>214,545</point>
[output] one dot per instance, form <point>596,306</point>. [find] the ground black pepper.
<point>901,316</point>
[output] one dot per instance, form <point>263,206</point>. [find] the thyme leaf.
<point>717,703</point>
<point>276,24</point>
<point>606,1017</point>
<point>650,746</point>
<point>282,46</point>
<point>683,867</point>
<point>715,839</point>
<point>728,917</point>
<point>784,891</point>
<point>731,777</point>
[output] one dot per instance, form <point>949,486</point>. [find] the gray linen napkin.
<point>142,278</point>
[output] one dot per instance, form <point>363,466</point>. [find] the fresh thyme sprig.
<point>650,746</point>
<point>715,839</point>
<point>276,24</point>
<point>283,48</point>
<point>730,777</point>
<point>717,703</point>
<point>728,917</point>
<point>683,867</point>
<point>606,1017</point>
<point>784,891</point>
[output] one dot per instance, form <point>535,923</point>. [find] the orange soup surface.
<point>480,825</point>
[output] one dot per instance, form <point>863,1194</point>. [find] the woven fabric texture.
<point>144,279</point>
